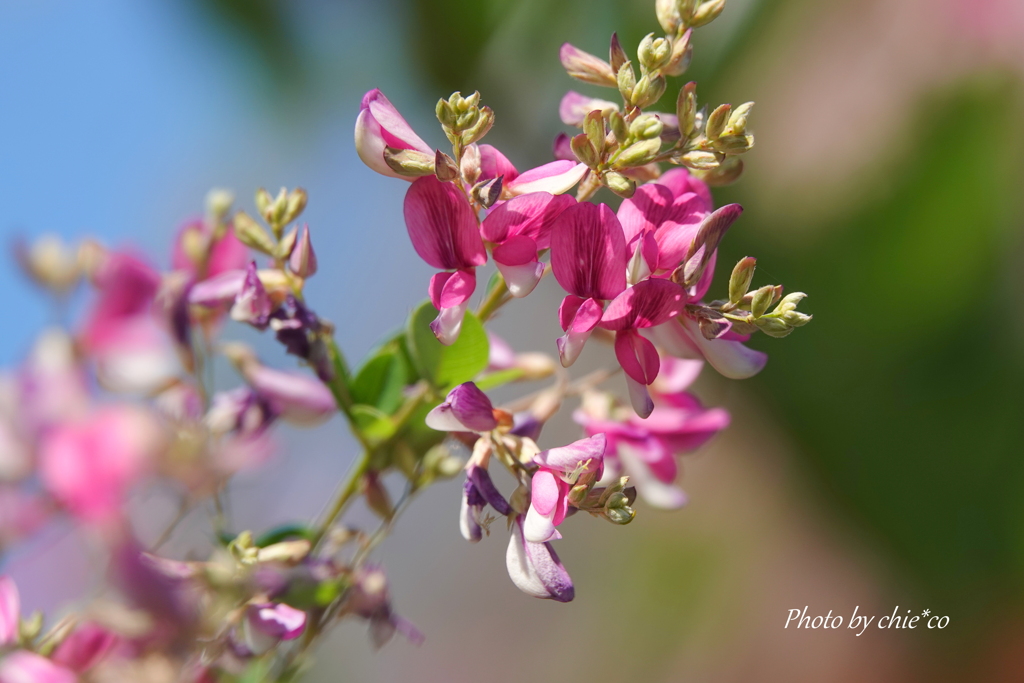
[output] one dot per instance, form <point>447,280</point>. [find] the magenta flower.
<point>535,568</point>
<point>560,469</point>
<point>252,303</point>
<point>90,465</point>
<point>28,667</point>
<point>588,258</point>
<point>297,397</point>
<point>727,354</point>
<point>574,107</point>
<point>267,624</point>
<point>445,233</point>
<point>672,221</point>
<point>646,304</point>
<point>379,125</point>
<point>302,260</point>
<point>645,449</point>
<point>556,177</point>
<point>519,229</point>
<point>494,164</point>
<point>465,409</point>
<point>10,611</point>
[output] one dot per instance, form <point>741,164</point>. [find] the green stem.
<point>344,497</point>
<point>496,298</point>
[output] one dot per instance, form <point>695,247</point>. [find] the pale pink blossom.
<point>379,125</point>
<point>560,469</point>
<point>28,667</point>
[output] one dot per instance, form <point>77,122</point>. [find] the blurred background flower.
<point>874,463</point>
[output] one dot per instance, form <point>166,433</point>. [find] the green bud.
<point>707,12</point>
<point>699,160</point>
<point>645,127</point>
<point>617,124</point>
<point>639,153</point>
<point>738,119</point>
<point>726,173</point>
<point>445,168</point>
<point>593,126</point>
<point>648,90</point>
<point>739,282</point>
<point>294,205</point>
<point>796,318</point>
<point>410,163</point>
<point>482,126</point>
<point>761,300</point>
<point>578,493</point>
<point>653,53</point>
<point>287,243</point>
<point>620,515</point>
<point>251,234</point>
<point>734,144</point>
<point>717,122</point>
<point>616,55</point>
<point>682,53</point>
<point>29,629</point>
<point>626,80</point>
<point>790,302</point>
<point>445,113</point>
<point>584,150</point>
<point>619,184</point>
<point>218,204</point>
<point>773,327</point>
<point>686,109</point>
<point>263,201</point>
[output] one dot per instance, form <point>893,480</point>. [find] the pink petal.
<point>574,107</point>
<point>219,290</point>
<point>588,252</point>
<point>731,358</point>
<point>637,356</point>
<point>452,289</point>
<point>27,667</point>
<point>10,610</point>
<point>493,164</point>
<point>515,251</point>
<point>647,209</point>
<point>442,225</point>
<point>645,304</point>
<point>561,149</point>
<point>706,240</point>
<point>85,647</point>
<point>466,408</point>
<point>522,279</point>
<point>555,177</point>
<point>639,397</point>
<point>448,323</point>
<point>531,215</point>
<point>297,397</point>
<point>679,181</point>
<point>277,620</point>
<point>677,374</point>
<point>654,492</point>
<point>566,459</point>
<point>379,125</point>
<point>578,317</point>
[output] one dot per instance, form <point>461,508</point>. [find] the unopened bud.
<point>445,113</point>
<point>790,302</point>
<point>482,126</point>
<point>699,160</point>
<point>646,127</point>
<point>713,327</point>
<point>773,327</point>
<point>616,55</point>
<point>648,90</point>
<point>668,15</point>
<point>471,164</point>
<point>263,201</point>
<point>717,121</point>
<point>445,167</point>
<point>286,245</point>
<point>619,184</point>
<point>218,204</point>
<point>288,552</point>
<point>302,261</point>
<point>410,163</point>
<point>617,124</point>
<point>584,150</point>
<point>653,53</point>
<point>686,109</point>
<point>739,282</point>
<point>682,53</point>
<point>738,119</point>
<point>593,126</point>
<point>251,234</point>
<point>626,81</point>
<point>295,205</point>
<point>489,192</point>
<point>639,153</point>
<point>726,173</point>
<point>707,12</point>
<point>761,300</point>
<point>796,318</point>
<point>377,498</point>
<point>29,629</point>
<point>578,493</point>
<point>734,144</point>
<point>585,67</point>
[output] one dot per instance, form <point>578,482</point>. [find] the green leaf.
<point>372,423</point>
<point>283,533</point>
<point>446,366</point>
<point>383,376</point>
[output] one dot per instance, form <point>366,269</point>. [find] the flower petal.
<point>379,125</point>
<point>555,177</point>
<point>637,356</point>
<point>588,252</point>
<point>442,225</point>
<point>567,458</point>
<point>732,359</point>
<point>578,317</point>
<point>646,304</point>
<point>494,164</point>
<point>466,409</point>
<point>522,279</point>
<point>574,107</point>
<point>680,182</point>
<point>10,611</point>
<point>532,215</point>
<point>535,568</point>
<point>654,492</point>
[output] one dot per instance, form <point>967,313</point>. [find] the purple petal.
<point>296,397</point>
<point>568,458</point>
<point>218,290</point>
<point>252,305</point>
<point>466,409</point>
<point>379,125</point>
<point>706,240</point>
<point>561,149</point>
<point>680,182</point>
<point>27,667</point>
<point>278,620</point>
<point>535,568</point>
<point>482,481</point>
<point>578,318</point>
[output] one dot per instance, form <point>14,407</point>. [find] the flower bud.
<point>639,153</point>
<point>668,15</point>
<point>734,144</point>
<point>646,127</point>
<point>619,184</point>
<point>593,126</point>
<point>796,318</point>
<point>706,12</point>
<point>682,53</point>
<point>726,173</point>
<point>50,263</point>
<point>616,55</point>
<point>302,261</point>
<point>790,302</point>
<point>626,81</point>
<point>617,124</point>
<point>648,90</point>
<point>717,121</point>
<point>286,552</point>
<point>739,282</point>
<point>489,192</point>
<point>465,409</point>
<point>586,67</point>
<point>699,160</point>
<point>251,234</point>
<point>445,167</point>
<point>472,163</point>
<point>584,150</point>
<point>294,205</point>
<point>481,127</point>
<point>252,304</point>
<point>738,119</point>
<point>653,53</point>
<point>377,498</point>
<point>713,325</point>
<point>409,163</point>
<point>218,204</point>
<point>686,109</point>
<point>773,327</point>
<point>577,494</point>
<point>761,300</point>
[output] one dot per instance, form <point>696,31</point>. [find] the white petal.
<point>654,491</point>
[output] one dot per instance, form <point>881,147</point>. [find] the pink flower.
<point>556,177</point>
<point>478,491</point>
<point>560,470</point>
<point>645,449</point>
<point>89,465</point>
<point>379,125</point>
<point>672,220</point>
<point>269,623</point>
<point>294,396</point>
<point>446,234</point>
<point>10,611</point>
<point>27,667</point>
<point>520,228</point>
<point>588,258</point>
<point>465,409</point>
<point>574,107</point>
<point>535,568</point>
